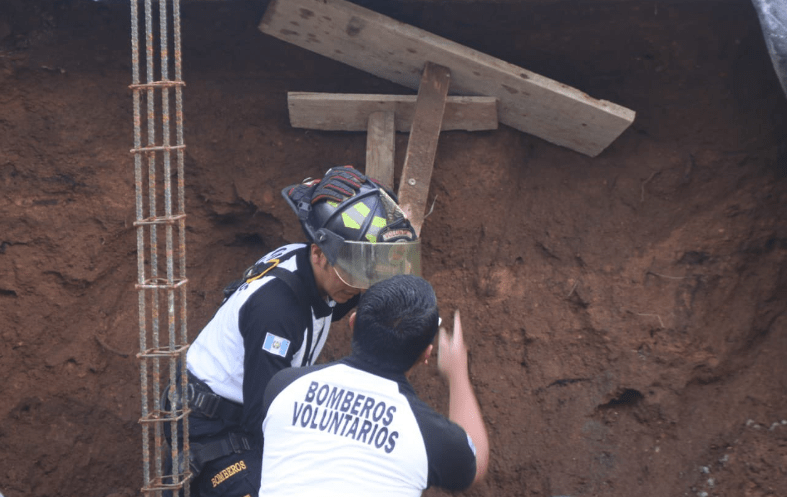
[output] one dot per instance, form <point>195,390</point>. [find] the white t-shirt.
<point>344,429</point>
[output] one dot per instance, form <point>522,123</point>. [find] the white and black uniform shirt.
<point>346,429</point>
<point>261,329</point>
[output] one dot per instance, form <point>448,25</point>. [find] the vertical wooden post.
<point>380,136</point>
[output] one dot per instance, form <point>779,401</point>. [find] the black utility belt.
<point>204,401</point>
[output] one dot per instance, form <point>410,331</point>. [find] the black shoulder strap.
<point>293,282</point>
<point>296,285</point>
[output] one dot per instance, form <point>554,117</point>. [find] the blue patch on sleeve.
<point>276,345</point>
<point>470,443</point>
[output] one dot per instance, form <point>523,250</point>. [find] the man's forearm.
<point>463,409</point>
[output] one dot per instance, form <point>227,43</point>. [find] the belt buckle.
<point>239,443</point>
<point>207,404</point>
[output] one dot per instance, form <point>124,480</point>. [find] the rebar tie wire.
<point>153,211</point>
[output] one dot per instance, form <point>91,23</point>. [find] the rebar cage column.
<point>161,287</point>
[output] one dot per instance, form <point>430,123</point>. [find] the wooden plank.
<point>350,112</point>
<point>396,51</point>
<point>422,145</point>
<point>380,137</point>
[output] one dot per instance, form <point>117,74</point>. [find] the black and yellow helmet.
<point>358,225</point>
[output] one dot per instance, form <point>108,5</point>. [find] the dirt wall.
<point>625,313</point>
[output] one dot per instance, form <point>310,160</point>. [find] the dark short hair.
<point>396,320</point>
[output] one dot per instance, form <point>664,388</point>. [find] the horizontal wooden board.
<point>350,112</point>
<point>396,51</point>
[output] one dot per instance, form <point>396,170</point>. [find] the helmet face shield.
<point>361,264</point>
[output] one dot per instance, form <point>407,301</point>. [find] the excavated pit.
<point>625,313</point>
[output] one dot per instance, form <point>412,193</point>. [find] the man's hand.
<point>452,353</point>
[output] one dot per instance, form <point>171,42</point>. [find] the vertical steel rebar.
<point>143,376</point>
<point>168,289</point>
<point>153,229</point>
<point>182,212</point>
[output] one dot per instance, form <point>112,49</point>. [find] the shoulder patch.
<point>276,345</point>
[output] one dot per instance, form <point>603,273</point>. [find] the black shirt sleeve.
<point>452,463</point>
<point>275,310</point>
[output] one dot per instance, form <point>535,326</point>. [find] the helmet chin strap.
<point>304,208</point>
<point>328,241</point>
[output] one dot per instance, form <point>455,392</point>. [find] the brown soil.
<point>625,313</point>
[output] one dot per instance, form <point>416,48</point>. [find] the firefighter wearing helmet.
<point>278,315</point>
<point>357,224</point>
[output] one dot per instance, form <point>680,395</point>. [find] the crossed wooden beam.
<point>424,116</point>
<point>414,58</point>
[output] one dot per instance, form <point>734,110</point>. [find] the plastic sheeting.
<point>773,20</point>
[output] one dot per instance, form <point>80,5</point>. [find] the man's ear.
<point>352,321</point>
<point>318,257</point>
<point>426,354</point>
